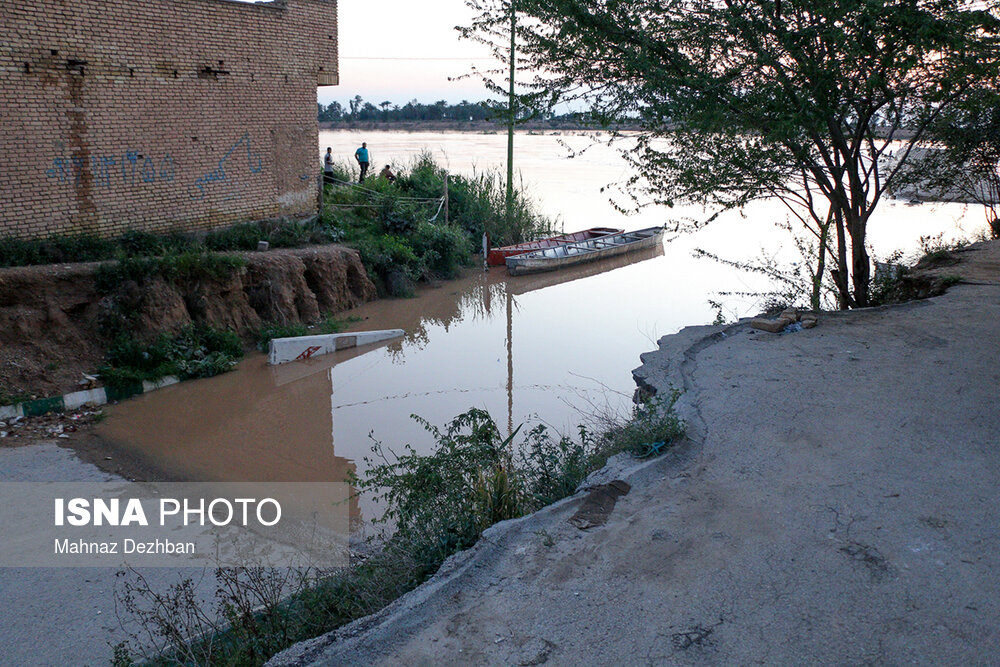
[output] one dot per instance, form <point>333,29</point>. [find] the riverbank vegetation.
<point>438,504</point>
<point>61,249</point>
<point>415,228</point>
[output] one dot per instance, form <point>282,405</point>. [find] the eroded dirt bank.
<point>837,504</point>
<point>50,316</point>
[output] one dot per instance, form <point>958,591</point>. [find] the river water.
<point>556,348</point>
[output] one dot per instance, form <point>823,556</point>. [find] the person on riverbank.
<point>361,155</point>
<point>387,174</point>
<point>328,166</point>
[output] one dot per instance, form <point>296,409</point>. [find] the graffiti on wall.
<point>230,167</point>
<point>130,168</point>
<point>133,168</point>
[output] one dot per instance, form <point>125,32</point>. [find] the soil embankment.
<point>837,503</point>
<point>51,316</point>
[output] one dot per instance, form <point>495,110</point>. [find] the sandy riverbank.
<point>836,504</point>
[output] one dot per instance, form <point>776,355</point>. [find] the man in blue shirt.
<point>361,155</point>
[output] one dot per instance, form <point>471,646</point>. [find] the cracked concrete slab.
<point>837,503</point>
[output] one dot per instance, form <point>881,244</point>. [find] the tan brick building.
<point>159,114</point>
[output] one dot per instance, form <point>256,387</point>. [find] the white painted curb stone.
<point>300,348</point>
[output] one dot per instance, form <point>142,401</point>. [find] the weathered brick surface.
<point>159,114</point>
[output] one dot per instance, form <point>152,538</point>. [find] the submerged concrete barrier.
<point>300,348</point>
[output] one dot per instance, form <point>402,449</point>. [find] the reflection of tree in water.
<point>484,298</point>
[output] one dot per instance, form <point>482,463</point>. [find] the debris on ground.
<point>789,321</point>
<point>51,425</point>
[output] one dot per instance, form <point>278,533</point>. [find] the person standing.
<point>328,166</point>
<point>361,155</point>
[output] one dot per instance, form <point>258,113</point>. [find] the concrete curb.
<point>77,399</point>
<point>300,348</point>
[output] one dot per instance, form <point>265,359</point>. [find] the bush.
<point>278,234</point>
<point>441,502</point>
<point>54,250</point>
<point>442,249</point>
<point>193,352</point>
<point>135,243</point>
<point>187,265</point>
<point>387,258</point>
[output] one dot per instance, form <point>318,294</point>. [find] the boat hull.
<point>498,256</point>
<point>573,254</point>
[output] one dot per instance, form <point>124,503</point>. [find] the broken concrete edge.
<point>496,539</point>
<point>77,399</point>
<point>301,348</point>
<point>674,358</point>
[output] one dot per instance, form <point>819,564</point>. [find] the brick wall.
<point>159,114</point>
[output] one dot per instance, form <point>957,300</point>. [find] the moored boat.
<point>571,254</point>
<point>498,256</point>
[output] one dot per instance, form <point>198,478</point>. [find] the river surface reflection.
<point>468,343</point>
<point>555,348</point>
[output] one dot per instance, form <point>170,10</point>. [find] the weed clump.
<point>175,267</point>
<point>193,352</point>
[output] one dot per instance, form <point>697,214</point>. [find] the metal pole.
<point>510,120</point>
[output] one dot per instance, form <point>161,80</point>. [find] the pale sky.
<point>398,50</point>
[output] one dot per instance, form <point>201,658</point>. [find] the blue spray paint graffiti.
<point>219,174</point>
<point>103,169</point>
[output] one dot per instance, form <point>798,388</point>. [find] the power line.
<point>407,58</point>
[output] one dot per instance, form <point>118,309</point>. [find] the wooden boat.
<point>497,256</point>
<point>571,254</point>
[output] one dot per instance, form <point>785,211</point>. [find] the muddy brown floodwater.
<point>523,348</point>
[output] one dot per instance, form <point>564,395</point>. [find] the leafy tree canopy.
<point>818,102</point>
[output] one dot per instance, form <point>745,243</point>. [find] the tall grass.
<point>400,228</point>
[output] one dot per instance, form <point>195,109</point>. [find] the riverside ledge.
<point>838,502</point>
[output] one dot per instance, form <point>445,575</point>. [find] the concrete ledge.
<point>11,411</point>
<point>300,348</point>
<point>77,399</point>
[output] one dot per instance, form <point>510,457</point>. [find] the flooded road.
<point>556,348</point>
<point>522,348</point>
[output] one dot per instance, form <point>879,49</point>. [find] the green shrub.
<point>441,248</point>
<point>194,351</point>
<point>409,211</point>
<point>54,250</point>
<point>183,266</point>
<point>391,263</point>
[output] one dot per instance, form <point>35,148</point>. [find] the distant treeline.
<point>360,111</point>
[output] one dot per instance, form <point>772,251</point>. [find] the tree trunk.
<point>860,263</point>
<point>817,279</point>
<point>840,274</point>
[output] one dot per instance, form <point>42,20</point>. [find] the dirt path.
<point>837,504</point>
